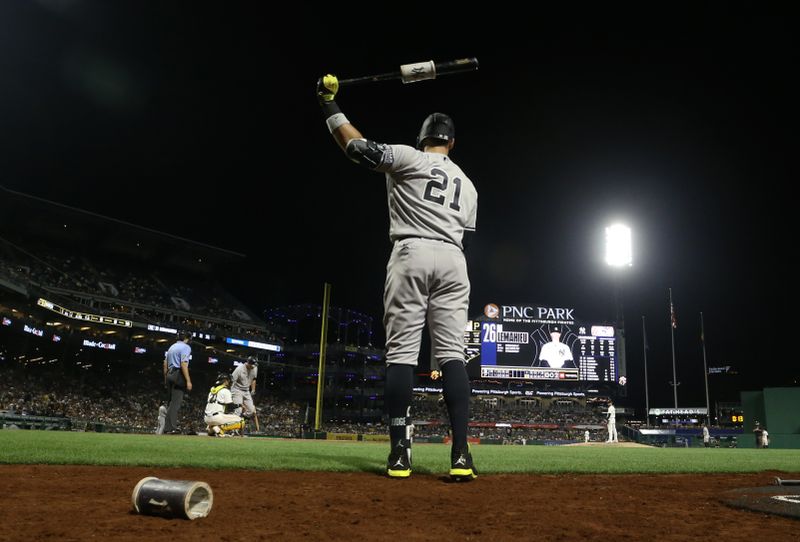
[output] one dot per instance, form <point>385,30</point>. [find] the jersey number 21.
<point>436,187</point>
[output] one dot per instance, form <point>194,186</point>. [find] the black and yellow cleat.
<point>462,468</point>
<point>399,463</point>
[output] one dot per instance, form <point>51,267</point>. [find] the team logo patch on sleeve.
<point>388,154</point>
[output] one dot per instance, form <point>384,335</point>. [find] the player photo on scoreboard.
<point>554,345</point>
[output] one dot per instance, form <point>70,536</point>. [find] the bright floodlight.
<point>618,246</point>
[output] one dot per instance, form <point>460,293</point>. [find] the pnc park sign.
<point>530,312</point>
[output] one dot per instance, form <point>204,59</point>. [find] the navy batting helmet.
<point>222,377</point>
<point>436,126</point>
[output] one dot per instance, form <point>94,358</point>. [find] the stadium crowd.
<point>123,405</point>
<point>155,296</point>
<point>131,405</point>
<point>530,421</point>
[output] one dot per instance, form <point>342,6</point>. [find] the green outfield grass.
<point>57,447</point>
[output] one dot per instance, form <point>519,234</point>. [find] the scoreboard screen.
<point>529,342</point>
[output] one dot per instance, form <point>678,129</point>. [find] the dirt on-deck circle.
<point>80,503</point>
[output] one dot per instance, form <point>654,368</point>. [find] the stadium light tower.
<point>619,252</point>
<point>619,255</point>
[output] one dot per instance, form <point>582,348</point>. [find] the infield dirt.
<point>76,503</point>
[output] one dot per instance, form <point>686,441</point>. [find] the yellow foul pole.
<point>323,347</point>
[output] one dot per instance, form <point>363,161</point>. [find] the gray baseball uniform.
<point>431,204</point>
<point>612,423</point>
<point>241,380</point>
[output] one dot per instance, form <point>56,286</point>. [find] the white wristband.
<point>335,121</point>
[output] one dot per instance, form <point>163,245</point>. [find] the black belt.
<point>404,237</point>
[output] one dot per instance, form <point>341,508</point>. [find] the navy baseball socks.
<point>455,382</point>
<point>399,381</point>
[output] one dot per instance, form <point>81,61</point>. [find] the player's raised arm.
<point>338,125</point>
<point>358,149</point>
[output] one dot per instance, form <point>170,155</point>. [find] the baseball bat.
<point>418,71</point>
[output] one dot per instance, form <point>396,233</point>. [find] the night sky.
<point>201,121</point>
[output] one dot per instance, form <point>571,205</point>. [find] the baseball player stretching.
<point>432,204</point>
<point>244,386</point>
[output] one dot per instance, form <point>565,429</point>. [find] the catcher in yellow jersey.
<point>220,422</point>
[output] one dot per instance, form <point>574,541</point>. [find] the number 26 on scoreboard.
<point>489,333</point>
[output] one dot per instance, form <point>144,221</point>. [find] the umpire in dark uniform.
<point>177,379</point>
